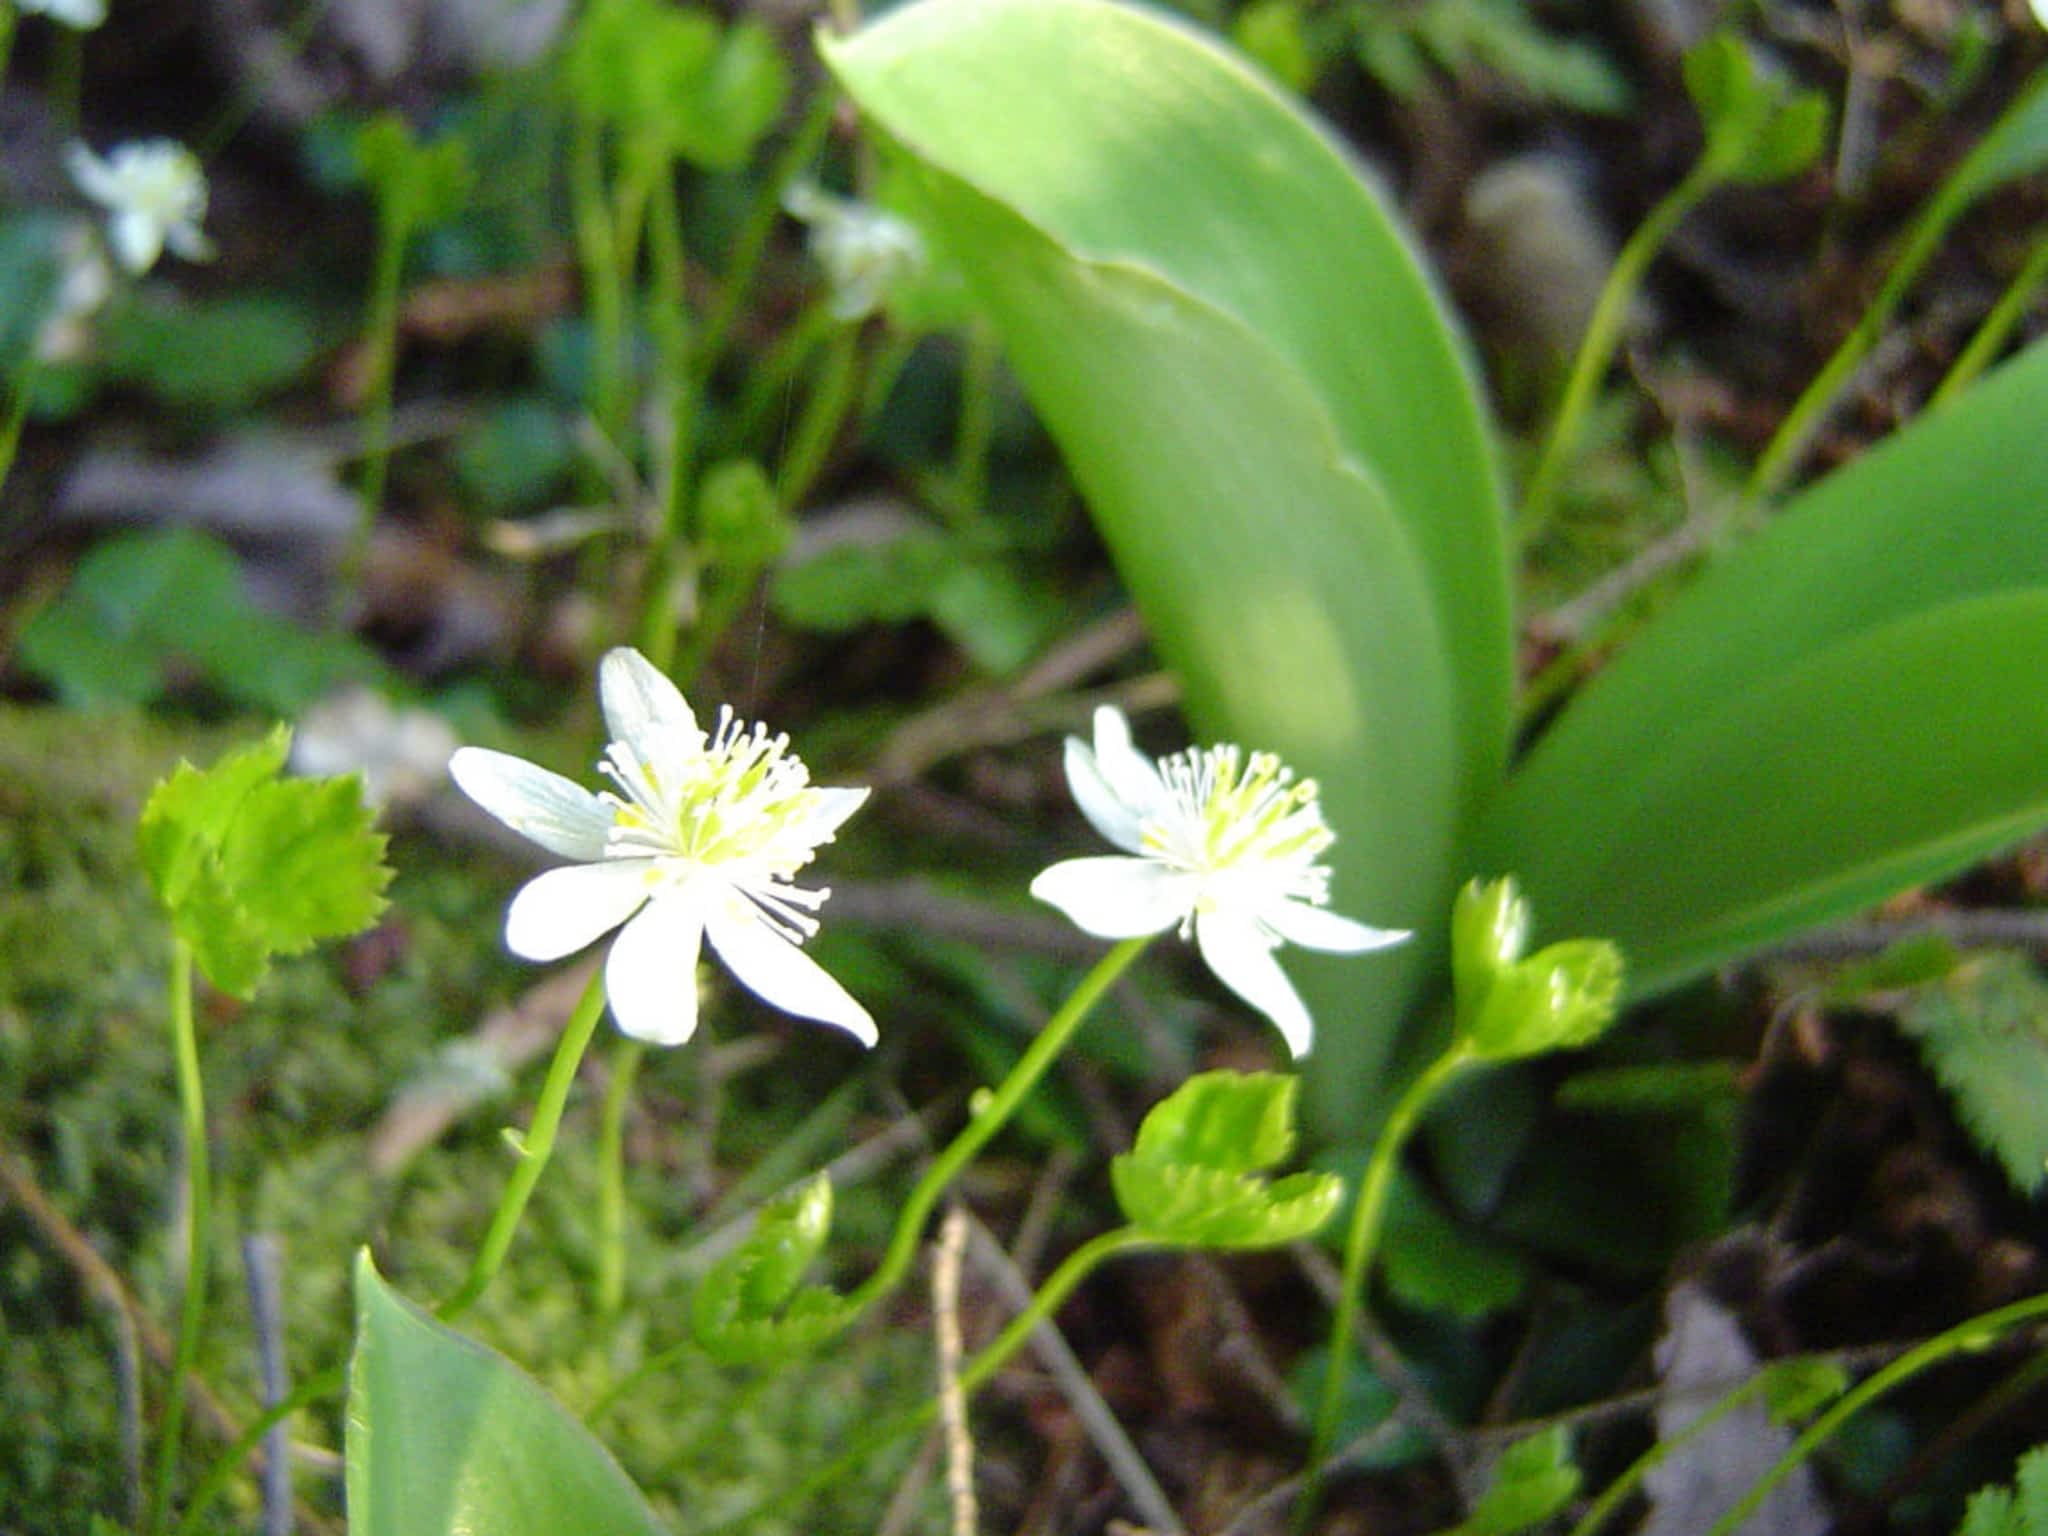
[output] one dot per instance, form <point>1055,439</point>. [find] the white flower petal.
<point>1319,928</point>
<point>833,806</point>
<point>778,972</point>
<point>644,709</point>
<point>1107,814</point>
<point>558,813</point>
<point>190,242</point>
<point>1129,773</point>
<point>1243,961</point>
<point>137,238</point>
<point>95,178</point>
<point>557,913</point>
<point>1117,898</point>
<point>650,978</point>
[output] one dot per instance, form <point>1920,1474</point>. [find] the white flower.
<point>864,250</point>
<point>85,282</point>
<point>81,15</point>
<point>156,194</point>
<point>698,843</point>
<point>1224,847</point>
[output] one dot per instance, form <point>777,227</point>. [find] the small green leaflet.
<point>1984,1032</point>
<point>752,1306</point>
<point>1534,1479</point>
<point>1996,1511</point>
<point>1193,1178</point>
<point>250,865</point>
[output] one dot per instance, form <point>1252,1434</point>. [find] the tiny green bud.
<point>1489,928</point>
<point>1510,1006</point>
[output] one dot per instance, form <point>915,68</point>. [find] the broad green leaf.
<point>1533,1480</point>
<point>1256,387</point>
<point>1192,1177</point>
<point>1984,1032</point>
<point>222,355</point>
<point>1848,705</point>
<point>140,600</point>
<point>448,1438</point>
<point>752,1304</point>
<point>1430,1261</point>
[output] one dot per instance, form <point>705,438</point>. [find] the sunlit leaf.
<point>448,1438</point>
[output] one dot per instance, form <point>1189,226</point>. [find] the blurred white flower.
<point>1223,847</point>
<point>83,15</point>
<point>697,844</point>
<point>400,753</point>
<point>155,195</point>
<point>84,283</point>
<point>864,250</point>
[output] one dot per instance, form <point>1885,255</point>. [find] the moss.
<point>295,1079</point>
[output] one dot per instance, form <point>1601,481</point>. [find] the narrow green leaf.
<point>448,1438</point>
<point>1256,387</point>
<point>1821,720</point>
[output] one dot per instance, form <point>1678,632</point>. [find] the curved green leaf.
<point>448,1438</point>
<point>1257,390</point>
<point>752,1305</point>
<point>1894,756</point>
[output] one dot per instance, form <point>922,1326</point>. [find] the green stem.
<point>597,256</point>
<point>774,377</point>
<point>329,1383</point>
<point>986,1121</point>
<point>977,420</point>
<point>198,1229</point>
<point>535,1148</point>
<point>393,233</point>
<point>670,559</point>
<point>1359,1244</point>
<point>752,243</point>
<point>1998,326</point>
<point>1981,170</point>
<point>1081,1263</point>
<point>8,17</point>
<point>611,1189</point>
<point>1603,334</point>
<point>1617,1492</point>
<point>17,415</point>
<point>1978,1333</point>
<point>67,74</point>
<point>834,388</point>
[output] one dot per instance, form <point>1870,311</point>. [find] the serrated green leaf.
<point>1192,1176</point>
<point>448,1438</point>
<point>751,1305</point>
<point>1991,1512</point>
<point>248,866</point>
<point>1236,1122</point>
<point>1274,424</point>
<point>1984,1032</point>
<point>300,853</point>
<point>2032,1482</point>
<point>1534,1479</point>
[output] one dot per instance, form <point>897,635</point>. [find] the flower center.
<point>1238,817</point>
<point>738,798</point>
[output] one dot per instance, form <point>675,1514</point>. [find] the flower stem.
<point>535,1148</point>
<point>611,1189</point>
<point>1360,1240</point>
<point>596,253</point>
<point>331,1382</point>
<point>1081,1263</point>
<point>198,1229</point>
<point>17,415</point>
<point>670,562</point>
<point>1616,1493</point>
<point>8,16</point>
<point>393,231</point>
<point>1997,329</point>
<point>1966,1337</point>
<point>984,1123</point>
<point>1603,332</point>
